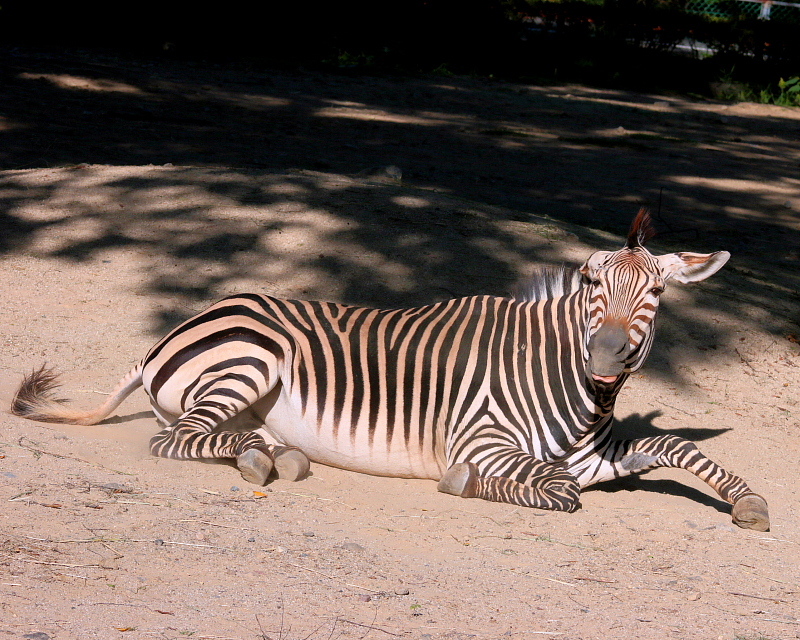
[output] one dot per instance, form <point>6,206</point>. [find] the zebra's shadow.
<point>131,416</point>
<point>641,426</point>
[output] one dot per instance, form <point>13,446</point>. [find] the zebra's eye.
<point>657,291</point>
<point>594,283</point>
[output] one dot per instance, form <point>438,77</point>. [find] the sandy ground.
<point>135,192</point>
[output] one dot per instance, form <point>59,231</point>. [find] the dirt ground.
<point>134,192</point>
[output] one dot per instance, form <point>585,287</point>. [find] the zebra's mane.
<point>549,282</point>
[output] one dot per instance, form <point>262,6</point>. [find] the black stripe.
<point>207,342</point>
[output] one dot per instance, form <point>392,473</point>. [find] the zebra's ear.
<point>691,267</point>
<point>594,262</point>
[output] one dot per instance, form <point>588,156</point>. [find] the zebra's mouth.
<point>605,379</point>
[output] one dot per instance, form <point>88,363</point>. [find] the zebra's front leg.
<point>523,480</point>
<point>192,437</point>
<point>749,511</point>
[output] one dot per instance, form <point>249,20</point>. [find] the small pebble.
<point>309,534</point>
<point>352,546</point>
<point>364,598</point>
<point>694,596</point>
<point>401,592</point>
<point>37,635</point>
<point>235,488</point>
<point>8,474</point>
<point>251,539</point>
<point>158,542</point>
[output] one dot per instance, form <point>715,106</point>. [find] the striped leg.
<point>192,437</point>
<point>530,483</point>
<point>749,509</point>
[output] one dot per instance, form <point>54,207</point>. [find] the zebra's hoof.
<point>460,480</point>
<point>750,512</point>
<point>255,466</point>
<point>291,464</point>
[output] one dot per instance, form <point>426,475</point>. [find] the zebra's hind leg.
<point>749,511</point>
<point>192,437</point>
<point>551,487</point>
<point>255,459</point>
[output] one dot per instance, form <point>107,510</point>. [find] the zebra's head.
<point>625,287</point>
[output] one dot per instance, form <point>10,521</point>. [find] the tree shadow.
<point>241,180</point>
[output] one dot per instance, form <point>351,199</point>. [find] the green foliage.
<point>789,95</point>
<point>785,93</point>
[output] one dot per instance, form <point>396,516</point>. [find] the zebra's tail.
<point>35,399</point>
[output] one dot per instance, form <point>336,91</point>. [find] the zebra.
<point>507,399</point>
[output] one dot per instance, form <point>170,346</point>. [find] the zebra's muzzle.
<point>609,348</point>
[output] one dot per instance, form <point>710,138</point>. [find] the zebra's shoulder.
<point>549,282</point>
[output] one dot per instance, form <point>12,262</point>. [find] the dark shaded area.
<point>586,159</point>
<point>671,487</point>
<point>469,33</point>
<point>615,43</point>
<point>641,426</point>
<point>139,415</point>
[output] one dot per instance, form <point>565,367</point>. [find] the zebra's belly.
<point>284,423</point>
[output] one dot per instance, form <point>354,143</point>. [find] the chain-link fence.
<point>773,10</point>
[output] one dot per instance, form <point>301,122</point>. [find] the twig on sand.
<point>324,575</point>
<point>180,544</point>
<point>568,584</point>
<point>745,360</point>
<point>596,580</point>
<point>763,539</point>
<point>39,451</point>
<point>540,538</point>
<point>747,595</point>
<point>767,577</point>
<point>369,626</point>
<point>60,564</point>
<point>214,524</point>
<point>313,497</point>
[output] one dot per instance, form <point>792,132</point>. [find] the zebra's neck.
<point>565,404</point>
